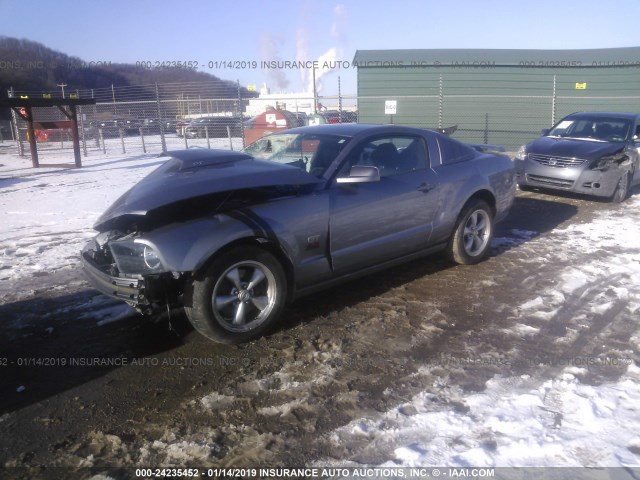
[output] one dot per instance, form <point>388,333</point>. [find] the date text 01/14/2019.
<point>195,64</point>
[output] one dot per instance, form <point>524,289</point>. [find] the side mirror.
<point>545,131</point>
<point>361,174</point>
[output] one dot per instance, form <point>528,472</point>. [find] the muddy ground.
<point>176,399</point>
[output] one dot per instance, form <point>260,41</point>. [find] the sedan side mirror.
<point>545,131</point>
<point>361,174</point>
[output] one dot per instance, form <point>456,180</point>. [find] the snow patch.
<point>533,420</point>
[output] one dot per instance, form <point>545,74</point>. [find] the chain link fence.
<point>152,119</point>
<point>504,106</point>
<point>136,120</point>
<point>507,120</point>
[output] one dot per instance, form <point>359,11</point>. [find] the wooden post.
<point>23,107</point>
<point>75,137</point>
<point>32,138</point>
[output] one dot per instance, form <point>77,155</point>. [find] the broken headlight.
<point>136,258</point>
<point>522,153</point>
<point>608,161</point>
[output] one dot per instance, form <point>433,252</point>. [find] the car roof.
<point>628,115</point>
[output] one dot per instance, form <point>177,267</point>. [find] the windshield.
<point>598,129</point>
<point>310,152</point>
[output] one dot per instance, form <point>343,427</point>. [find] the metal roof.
<point>600,57</point>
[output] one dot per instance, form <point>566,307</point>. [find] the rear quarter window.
<point>454,152</point>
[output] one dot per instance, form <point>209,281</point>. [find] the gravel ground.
<point>151,392</point>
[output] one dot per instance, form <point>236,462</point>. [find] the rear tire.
<point>622,188</point>
<point>470,241</point>
<point>239,297</point>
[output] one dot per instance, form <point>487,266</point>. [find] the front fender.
<point>298,226</point>
<point>185,247</point>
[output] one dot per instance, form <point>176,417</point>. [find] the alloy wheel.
<point>244,296</point>
<point>476,232</point>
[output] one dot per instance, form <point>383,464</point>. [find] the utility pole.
<point>62,85</point>
<point>315,92</point>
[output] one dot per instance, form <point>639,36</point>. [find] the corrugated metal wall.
<point>496,104</point>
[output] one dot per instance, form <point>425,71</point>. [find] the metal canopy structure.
<point>23,107</point>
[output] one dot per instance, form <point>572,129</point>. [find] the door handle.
<point>426,187</point>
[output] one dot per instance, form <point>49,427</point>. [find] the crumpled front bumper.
<point>125,289</point>
<point>574,179</point>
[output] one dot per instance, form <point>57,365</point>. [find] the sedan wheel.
<point>622,189</point>
<point>239,296</point>
<point>471,239</point>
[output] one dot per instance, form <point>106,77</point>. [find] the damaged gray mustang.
<point>234,236</point>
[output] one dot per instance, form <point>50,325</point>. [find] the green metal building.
<point>494,96</point>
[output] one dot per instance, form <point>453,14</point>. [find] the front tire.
<point>471,239</point>
<point>622,188</point>
<point>239,297</point>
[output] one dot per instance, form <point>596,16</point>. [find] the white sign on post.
<point>390,107</point>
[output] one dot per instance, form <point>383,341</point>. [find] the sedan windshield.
<point>310,152</point>
<point>599,129</point>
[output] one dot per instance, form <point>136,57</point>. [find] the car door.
<point>377,221</point>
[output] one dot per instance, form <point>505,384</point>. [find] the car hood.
<point>191,174</point>
<point>565,147</point>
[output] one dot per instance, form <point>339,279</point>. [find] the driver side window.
<point>390,155</point>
